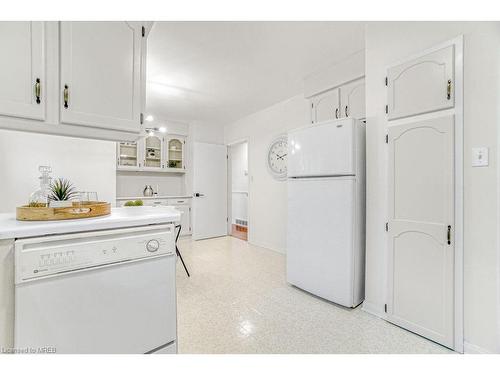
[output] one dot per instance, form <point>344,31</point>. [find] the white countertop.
<point>154,197</point>
<point>120,217</point>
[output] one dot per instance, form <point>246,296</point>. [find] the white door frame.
<point>457,111</point>
<point>229,185</point>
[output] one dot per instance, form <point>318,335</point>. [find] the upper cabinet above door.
<point>101,74</point>
<point>422,85</point>
<point>22,73</point>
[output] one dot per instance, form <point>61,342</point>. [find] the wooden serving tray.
<point>78,211</point>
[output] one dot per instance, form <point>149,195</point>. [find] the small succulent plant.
<point>133,203</point>
<point>62,190</point>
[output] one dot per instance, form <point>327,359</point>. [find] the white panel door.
<point>101,74</point>
<point>326,149</point>
<point>22,70</point>
<point>210,190</point>
<point>421,227</point>
<point>326,106</point>
<point>421,85</point>
<point>320,236</point>
<point>352,100</point>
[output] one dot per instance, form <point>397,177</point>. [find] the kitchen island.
<point>54,251</point>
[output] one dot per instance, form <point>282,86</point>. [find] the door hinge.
<point>142,118</point>
<point>385,308</point>
<point>143,31</point>
<point>386,109</point>
<point>387,138</point>
<point>387,227</point>
<point>386,81</point>
<point>227,220</point>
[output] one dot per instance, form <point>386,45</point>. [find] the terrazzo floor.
<point>237,301</point>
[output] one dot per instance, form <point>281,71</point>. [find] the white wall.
<point>389,42</point>
<point>239,181</point>
<point>267,208</point>
<point>348,69</point>
<point>89,164</point>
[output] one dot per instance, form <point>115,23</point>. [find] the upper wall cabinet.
<point>101,74</point>
<point>344,101</point>
<point>80,79</point>
<point>422,85</point>
<point>352,99</point>
<point>22,73</point>
<point>325,106</point>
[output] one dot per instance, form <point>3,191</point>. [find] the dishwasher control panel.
<point>50,255</point>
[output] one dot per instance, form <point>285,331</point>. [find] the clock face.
<point>277,157</point>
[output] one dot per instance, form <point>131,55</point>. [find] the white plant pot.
<point>59,204</point>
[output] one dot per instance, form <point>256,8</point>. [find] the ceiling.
<point>219,72</point>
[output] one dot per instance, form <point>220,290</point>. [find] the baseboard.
<point>373,309</point>
<point>474,349</point>
<point>266,246</point>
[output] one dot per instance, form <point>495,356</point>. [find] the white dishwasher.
<point>110,291</point>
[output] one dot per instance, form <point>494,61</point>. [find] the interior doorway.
<point>238,190</point>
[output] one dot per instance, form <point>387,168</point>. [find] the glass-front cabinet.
<point>153,152</point>
<point>128,155</point>
<point>175,152</point>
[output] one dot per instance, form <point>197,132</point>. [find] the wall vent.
<point>243,223</point>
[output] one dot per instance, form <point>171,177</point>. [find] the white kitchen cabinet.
<point>175,152</point>
<point>153,153</point>
<point>96,68</point>
<point>23,67</point>
<point>129,155</point>
<point>352,100</point>
<point>101,74</point>
<point>153,146</point>
<point>185,219</point>
<point>421,85</point>
<point>325,106</point>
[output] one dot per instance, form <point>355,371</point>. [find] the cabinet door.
<point>325,106</point>
<point>175,152</point>
<point>420,228</point>
<point>101,74</point>
<point>153,152</point>
<point>185,219</point>
<point>421,85</point>
<point>128,155</point>
<point>352,100</point>
<point>22,73</point>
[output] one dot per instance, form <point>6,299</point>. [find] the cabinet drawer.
<point>177,201</point>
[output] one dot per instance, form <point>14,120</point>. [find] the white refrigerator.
<point>326,210</point>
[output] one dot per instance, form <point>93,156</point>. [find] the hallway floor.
<point>237,301</point>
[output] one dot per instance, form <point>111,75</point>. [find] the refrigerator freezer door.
<point>326,149</point>
<point>320,237</point>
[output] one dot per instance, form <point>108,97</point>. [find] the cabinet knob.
<point>448,90</point>
<point>37,90</point>
<point>336,113</point>
<point>346,113</point>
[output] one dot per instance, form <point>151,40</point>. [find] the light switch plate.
<point>480,156</point>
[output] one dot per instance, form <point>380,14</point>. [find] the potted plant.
<point>61,193</point>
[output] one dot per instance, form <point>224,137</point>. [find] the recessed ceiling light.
<point>149,118</point>
<point>162,129</point>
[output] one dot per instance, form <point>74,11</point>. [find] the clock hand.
<point>281,157</point>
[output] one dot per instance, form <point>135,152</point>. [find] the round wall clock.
<point>277,157</point>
